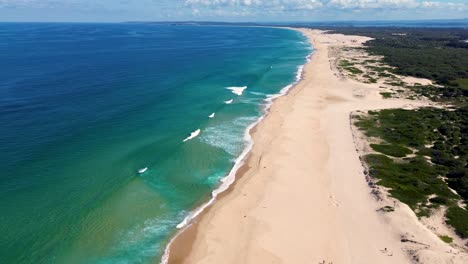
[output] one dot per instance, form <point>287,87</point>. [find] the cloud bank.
<point>252,9</point>
<point>313,4</point>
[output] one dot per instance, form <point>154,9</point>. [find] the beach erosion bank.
<point>301,196</point>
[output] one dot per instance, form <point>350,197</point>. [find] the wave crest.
<point>237,90</point>
<point>193,135</point>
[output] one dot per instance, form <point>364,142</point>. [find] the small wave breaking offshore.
<point>237,90</point>
<point>193,135</point>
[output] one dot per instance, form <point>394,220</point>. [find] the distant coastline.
<point>430,23</point>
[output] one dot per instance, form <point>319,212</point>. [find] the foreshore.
<point>302,196</point>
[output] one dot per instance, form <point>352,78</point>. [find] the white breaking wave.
<point>229,101</point>
<point>212,115</point>
<point>299,73</point>
<point>237,90</point>
<point>143,170</point>
<point>193,135</point>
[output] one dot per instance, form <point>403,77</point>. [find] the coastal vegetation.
<point>349,66</point>
<point>432,53</point>
<point>422,159</point>
<point>421,155</point>
<point>438,54</point>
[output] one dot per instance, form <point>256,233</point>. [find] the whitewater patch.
<point>193,135</point>
<point>228,135</point>
<point>257,93</point>
<point>237,90</point>
<point>212,115</point>
<point>141,236</point>
<point>229,101</point>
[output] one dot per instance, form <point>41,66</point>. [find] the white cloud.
<point>325,4</point>
<point>372,4</point>
<point>261,9</point>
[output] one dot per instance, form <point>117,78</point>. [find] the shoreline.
<point>290,201</point>
<point>188,226</point>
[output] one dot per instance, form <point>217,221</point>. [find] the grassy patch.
<point>396,84</point>
<point>386,75</point>
<point>446,239</point>
<point>458,218</point>
<point>346,63</point>
<point>391,150</point>
<point>353,70</point>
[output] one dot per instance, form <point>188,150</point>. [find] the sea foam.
<point>237,90</point>
<point>227,135</point>
<point>229,101</point>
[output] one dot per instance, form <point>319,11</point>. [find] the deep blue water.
<point>83,107</point>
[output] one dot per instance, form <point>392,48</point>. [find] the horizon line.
<point>243,22</point>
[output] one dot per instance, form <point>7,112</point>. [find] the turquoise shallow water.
<point>83,107</point>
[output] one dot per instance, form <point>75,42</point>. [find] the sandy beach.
<point>302,196</point>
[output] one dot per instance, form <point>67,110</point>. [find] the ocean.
<point>112,134</point>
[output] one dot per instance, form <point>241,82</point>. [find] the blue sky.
<point>229,10</point>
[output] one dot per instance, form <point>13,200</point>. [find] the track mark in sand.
<point>334,201</point>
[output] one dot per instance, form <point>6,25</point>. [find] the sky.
<point>229,10</point>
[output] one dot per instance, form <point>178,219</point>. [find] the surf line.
<point>212,115</point>
<point>229,101</point>
<point>193,135</point>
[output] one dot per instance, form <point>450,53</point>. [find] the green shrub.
<point>438,200</point>
<point>446,239</point>
<point>386,95</point>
